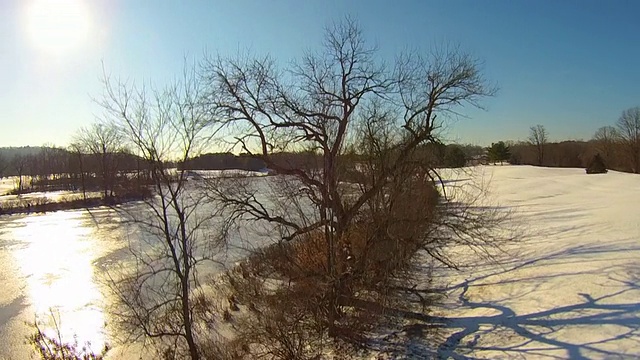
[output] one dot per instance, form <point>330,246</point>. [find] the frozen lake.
<point>59,262</point>
<point>53,262</point>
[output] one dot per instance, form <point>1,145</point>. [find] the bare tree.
<point>629,130</point>
<point>20,165</point>
<point>159,297</point>
<point>325,105</point>
<point>606,138</point>
<point>78,152</point>
<point>538,137</point>
<point>103,142</point>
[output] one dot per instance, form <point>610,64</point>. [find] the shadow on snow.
<point>534,334</point>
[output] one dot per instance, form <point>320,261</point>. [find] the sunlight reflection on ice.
<point>56,261</point>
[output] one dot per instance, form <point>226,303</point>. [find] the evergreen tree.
<point>454,157</point>
<point>499,152</point>
<point>596,165</point>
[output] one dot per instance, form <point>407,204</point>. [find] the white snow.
<point>569,289</point>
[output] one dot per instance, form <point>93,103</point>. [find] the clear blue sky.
<point>572,66</point>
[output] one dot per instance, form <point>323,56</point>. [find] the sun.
<point>57,26</point>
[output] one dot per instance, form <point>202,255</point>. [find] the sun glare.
<point>57,26</point>
<point>56,262</point>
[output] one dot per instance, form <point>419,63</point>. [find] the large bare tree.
<point>538,137</point>
<point>336,104</point>
<point>158,291</point>
<point>629,131</point>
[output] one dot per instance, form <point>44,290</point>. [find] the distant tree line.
<point>95,160</point>
<point>453,155</point>
<point>444,155</point>
<point>222,161</point>
<point>570,153</point>
<point>229,161</point>
<point>95,163</point>
<point>618,146</point>
<point>52,168</point>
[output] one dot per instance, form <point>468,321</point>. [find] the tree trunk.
<point>186,315</point>
<point>186,297</point>
<point>82,180</point>
<point>104,173</point>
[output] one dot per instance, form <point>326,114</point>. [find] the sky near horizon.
<point>572,66</point>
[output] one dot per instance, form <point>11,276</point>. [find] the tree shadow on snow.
<point>537,334</point>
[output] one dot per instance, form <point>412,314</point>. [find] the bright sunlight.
<point>56,263</point>
<point>57,26</point>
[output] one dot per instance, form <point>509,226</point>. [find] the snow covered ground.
<point>569,289</point>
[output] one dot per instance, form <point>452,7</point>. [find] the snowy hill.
<point>571,286</point>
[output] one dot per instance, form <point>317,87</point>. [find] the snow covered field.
<point>569,289</point>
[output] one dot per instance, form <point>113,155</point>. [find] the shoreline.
<point>67,205</point>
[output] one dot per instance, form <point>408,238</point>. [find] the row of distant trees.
<point>96,160</point>
<point>618,146</point>
<point>83,166</point>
